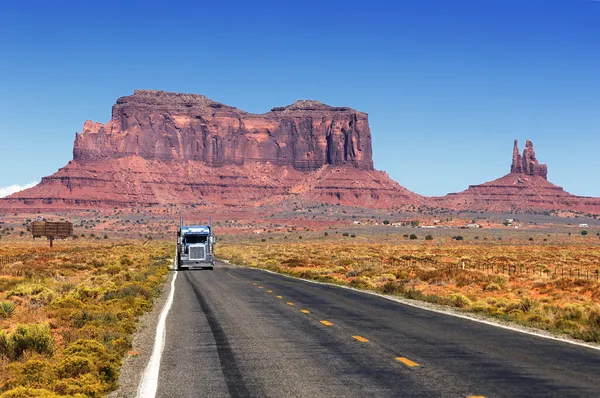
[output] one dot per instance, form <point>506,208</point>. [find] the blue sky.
<point>447,84</point>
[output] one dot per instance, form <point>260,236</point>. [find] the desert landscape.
<point>292,191</point>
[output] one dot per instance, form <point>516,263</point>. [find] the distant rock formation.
<point>168,148</point>
<point>157,125</point>
<point>527,164</point>
<point>526,187</point>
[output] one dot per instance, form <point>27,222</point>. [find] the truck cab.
<point>195,247</point>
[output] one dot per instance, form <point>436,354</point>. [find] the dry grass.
<point>67,314</point>
<point>534,293</point>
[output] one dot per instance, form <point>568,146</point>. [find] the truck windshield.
<point>191,239</point>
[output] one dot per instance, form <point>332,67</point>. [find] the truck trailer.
<point>195,246</point>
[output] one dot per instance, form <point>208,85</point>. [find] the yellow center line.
<point>290,303</point>
<point>279,296</point>
<point>407,362</point>
<point>326,323</point>
<point>476,396</point>
<point>361,339</point>
<point>269,291</point>
<point>305,311</point>
<point>254,283</point>
<point>260,287</point>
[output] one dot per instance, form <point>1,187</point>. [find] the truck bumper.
<point>184,263</point>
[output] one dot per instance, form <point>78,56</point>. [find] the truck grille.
<point>197,253</point>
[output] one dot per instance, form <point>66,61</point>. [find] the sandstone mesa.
<point>168,148</point>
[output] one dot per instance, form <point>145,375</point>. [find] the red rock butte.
<point>526,187</point>
<point>168,148</point>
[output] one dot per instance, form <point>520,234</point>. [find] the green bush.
<point>74,366</point>
<point>459,300</point>
<point>584,233</point>
<point>25,290</point>
<point>36,338</point>
<point>413,236</point>
<point>7,308</point>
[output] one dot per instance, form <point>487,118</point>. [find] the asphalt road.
<point>242,332</point>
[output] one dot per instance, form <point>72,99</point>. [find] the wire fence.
<point>522,270</point>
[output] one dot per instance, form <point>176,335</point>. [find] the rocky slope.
<point>526,187</point>
<point>167,148</point>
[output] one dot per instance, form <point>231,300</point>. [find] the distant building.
<point>473,225</point>
<point>584,225</point>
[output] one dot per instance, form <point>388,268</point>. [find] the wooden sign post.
<point>51,230</point>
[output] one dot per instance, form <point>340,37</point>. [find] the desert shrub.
<point>528,304</point>
<point>25,290</point>
<point>135,290</point>
<point>7,308</point>
<point>572,312</point>
<point>392,287</point>
<point>492,287</point>
<point>458,237</point>
<point>386,278</point>
<point>6,284</point>
<point>480,306</point>
<point>353,273</point>
<point>66,302</point>
<point>36,338</point>
<point>345,234</point>
<point>428,237</point>
<point>584,233</point>
<point>413,236</point>
<point>24,392</point>
<point>34,373</point>
<point>414,294</point>
<point>125,260</point>
<point>362,282</point>
<point>74,366</point>
<point>459,300</point>
<point>294,262</point>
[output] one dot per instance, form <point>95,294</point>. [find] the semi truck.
<point>195,246</point>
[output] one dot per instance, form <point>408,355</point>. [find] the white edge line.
<point>149,381</point>
<point>438,311</point>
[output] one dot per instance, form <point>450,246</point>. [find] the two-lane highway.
<point>243,332</point>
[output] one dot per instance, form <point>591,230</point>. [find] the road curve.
<point>243,332</point>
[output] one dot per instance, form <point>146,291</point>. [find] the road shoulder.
<point>143,344</point>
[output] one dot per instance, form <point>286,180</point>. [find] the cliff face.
<point>526,187</point>
<point>157,125</point>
